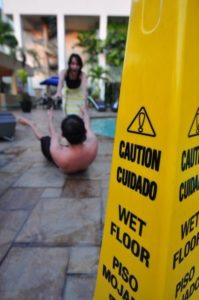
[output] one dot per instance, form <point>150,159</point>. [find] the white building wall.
<point>68,7</point>
<point>61,8</point>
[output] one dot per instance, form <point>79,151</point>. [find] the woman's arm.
<point>62,75</point>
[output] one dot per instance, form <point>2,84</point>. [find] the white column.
<point>14,84</point>
<point>61,41</point>
<point>18,29</point>
<point>19,36</point>
<point>102,59</point>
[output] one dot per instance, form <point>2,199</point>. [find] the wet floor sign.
<point>150,248</point>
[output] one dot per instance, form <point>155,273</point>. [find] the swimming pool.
<point>104,126</point>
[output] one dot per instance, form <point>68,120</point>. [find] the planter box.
<point>7,125</point>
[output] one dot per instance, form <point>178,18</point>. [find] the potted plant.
<point>97,73</point>
<point>26,101</point>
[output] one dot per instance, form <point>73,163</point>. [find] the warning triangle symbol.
<point>141,124</point>
<point>194,130</point>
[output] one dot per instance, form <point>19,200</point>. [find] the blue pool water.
<point>104,126</point>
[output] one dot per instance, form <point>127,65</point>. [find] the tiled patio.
<point>50,223</point>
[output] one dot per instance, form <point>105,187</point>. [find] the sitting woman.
<point>72,86</point>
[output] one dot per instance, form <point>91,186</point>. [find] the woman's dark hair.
<point>73,129</point>
<point>78,58</point>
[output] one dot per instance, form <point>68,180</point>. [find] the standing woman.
<point>72,86</point>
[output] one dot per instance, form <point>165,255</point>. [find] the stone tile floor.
<point>50,223</point>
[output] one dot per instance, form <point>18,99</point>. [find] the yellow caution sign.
<point>150,247</point>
